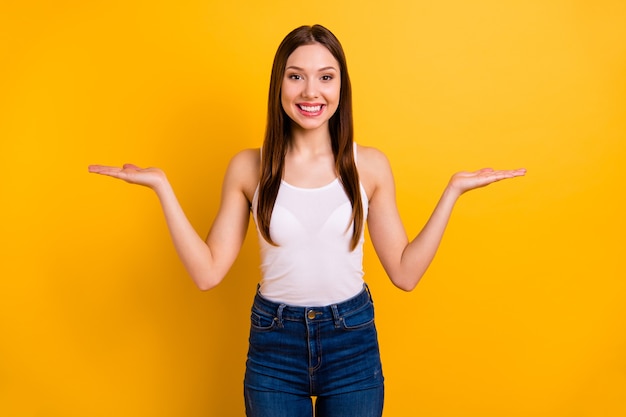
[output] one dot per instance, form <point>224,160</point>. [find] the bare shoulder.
<point>243,171</point>
<point>374,168</point>
<point>249,159</point>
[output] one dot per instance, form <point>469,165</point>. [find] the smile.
<point>311,109</point>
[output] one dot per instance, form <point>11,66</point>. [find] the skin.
<point>311,79</point>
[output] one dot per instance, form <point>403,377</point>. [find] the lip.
<point>301,108</point>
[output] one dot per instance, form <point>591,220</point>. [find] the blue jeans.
<point>328,352</point>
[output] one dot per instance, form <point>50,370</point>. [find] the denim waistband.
<point>316,313</point>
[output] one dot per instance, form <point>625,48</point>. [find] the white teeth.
<point>311,109</point>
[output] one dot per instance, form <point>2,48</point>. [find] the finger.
<point>501,175</point>
<point>511,173</point>
<point>106,170</point>
<point>131,166</point>
<point>101,168</point>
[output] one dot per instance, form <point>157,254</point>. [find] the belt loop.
<point>279,315</point>
<point>336,316</point>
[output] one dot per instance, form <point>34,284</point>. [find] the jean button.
<point>311,314</point>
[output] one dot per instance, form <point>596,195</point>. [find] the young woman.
<point>310,190</point>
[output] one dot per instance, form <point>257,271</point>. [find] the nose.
<point>310,89</point>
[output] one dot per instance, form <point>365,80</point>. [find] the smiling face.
<point>311,87</point>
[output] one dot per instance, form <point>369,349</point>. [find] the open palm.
<point>149,177</point>
<point>465,181</point>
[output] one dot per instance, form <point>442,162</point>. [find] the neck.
<point>310,141</point>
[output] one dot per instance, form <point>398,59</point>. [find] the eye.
<point>327,77</point>
<point>295,77</point>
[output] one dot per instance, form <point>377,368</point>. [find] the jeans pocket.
<point>261,320</point>
<point>359,319</point>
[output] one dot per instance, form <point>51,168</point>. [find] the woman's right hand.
<point>148,177</point>
<point>206,260</point>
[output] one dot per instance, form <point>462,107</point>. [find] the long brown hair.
<point>278,132</point>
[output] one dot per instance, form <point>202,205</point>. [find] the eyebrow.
<point>293,67</point>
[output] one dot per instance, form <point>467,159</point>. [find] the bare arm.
<point>406,261</point>
<point>207,262</point>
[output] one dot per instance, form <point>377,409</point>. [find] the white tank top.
<point>312,264</point>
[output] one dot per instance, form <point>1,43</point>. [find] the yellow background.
<point>523,313</point>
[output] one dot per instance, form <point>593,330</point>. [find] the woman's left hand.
<point>466,181</point>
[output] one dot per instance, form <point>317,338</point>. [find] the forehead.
<point>312,56</point>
